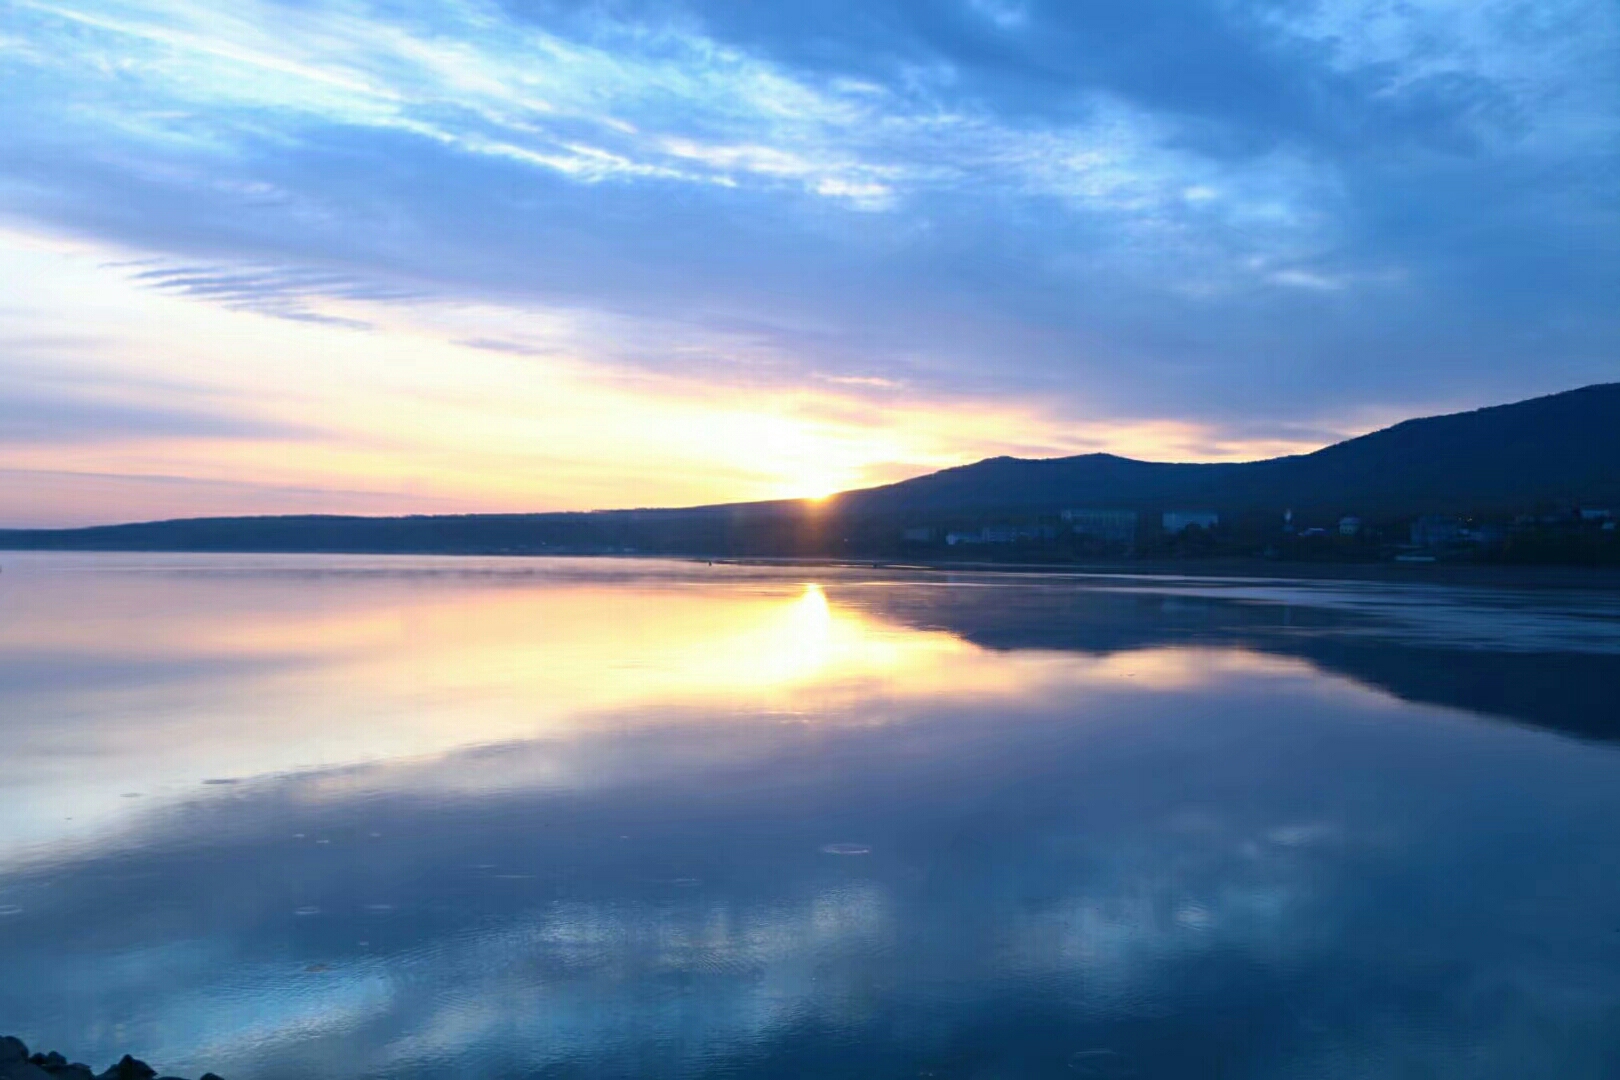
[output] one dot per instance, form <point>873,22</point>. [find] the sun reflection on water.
<point>195,675</point>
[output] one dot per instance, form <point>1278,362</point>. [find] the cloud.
<point>62,498</point>
<point>1214,212</point>
<point>285,292</point>
<point>46,417</point>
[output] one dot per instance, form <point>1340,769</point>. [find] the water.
<point>335,817</point>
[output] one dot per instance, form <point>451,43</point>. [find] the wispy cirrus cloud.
<point>61,419</point>
<point>285,292</point>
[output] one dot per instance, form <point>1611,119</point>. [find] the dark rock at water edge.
<point>17,1064</point>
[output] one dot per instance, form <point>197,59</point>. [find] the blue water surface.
<point>298,818</point>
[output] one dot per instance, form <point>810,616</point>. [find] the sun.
<point>813,485</point>
<point>817,491</point>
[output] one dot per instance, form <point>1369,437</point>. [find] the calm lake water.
<point>334,817</point>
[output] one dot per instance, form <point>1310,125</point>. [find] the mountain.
<point>1563,449</point>
<point>1557,449</point>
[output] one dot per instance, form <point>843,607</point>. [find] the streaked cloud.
<point>31,417</point>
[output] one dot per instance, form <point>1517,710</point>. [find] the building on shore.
<point>1179,521</point>
<point>1002,534</point>
<point>1436,530</point>
<point>1107,526</point>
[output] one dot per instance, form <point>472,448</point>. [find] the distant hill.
<point>1558,450</point>
<point>1561,448</point>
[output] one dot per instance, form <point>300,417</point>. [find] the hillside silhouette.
<point>1562,450</point>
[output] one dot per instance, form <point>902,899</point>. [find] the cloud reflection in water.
<point>576,816</point>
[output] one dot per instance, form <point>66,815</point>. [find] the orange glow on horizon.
<point>409,416</point>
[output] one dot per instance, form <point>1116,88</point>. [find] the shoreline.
<point>1440,573</point>
<point>1501,575</point>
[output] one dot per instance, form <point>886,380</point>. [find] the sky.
<point>350,257</point>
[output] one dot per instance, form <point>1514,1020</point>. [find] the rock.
<point>129,1068</point>
<point>17,1064</point>
<point>60,1068</point>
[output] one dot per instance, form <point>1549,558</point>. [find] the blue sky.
<point>322,255</point>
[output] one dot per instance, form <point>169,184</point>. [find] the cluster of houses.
<point>1109,527</point>
<point>1430,534</point>
<point>1003,534</point>
<point>1440,531</point>
<point>1122,531</point>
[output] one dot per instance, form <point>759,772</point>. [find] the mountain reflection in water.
<point>362,817</point>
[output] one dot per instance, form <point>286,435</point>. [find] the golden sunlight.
<point>451,426</point>
<point>375,667</point>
